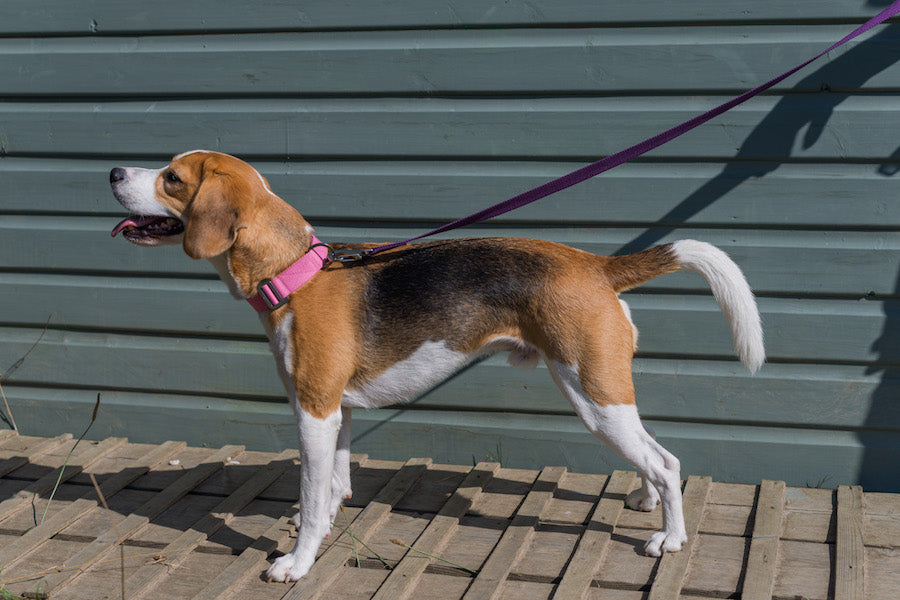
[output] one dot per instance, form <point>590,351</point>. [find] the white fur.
<point>521,354</point>
<point>430,363</point>
<point>137,192</point>
<point>620,427</point>
<point>189,152</point>
<point>222,265</point>
<point>318,440</point>
<point>733,294</point>
<point>634,330</point>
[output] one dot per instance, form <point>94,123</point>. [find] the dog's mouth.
<point>148,230</point>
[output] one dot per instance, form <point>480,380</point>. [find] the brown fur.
<point>571,315</point>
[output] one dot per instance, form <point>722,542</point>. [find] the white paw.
<point>661,542</point>
<point>288,568</point>
<point>637,501</point>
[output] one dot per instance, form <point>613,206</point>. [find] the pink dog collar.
<point>274,292</point>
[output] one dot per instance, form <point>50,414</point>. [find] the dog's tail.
<point>728,285</point>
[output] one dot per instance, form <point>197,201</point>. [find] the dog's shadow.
<point>484,522</point>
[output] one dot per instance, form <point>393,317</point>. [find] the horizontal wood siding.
<point>379,120</point>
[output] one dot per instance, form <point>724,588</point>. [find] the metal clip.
<point>348,255</point>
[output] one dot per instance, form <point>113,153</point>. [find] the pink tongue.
<point>133,222</point>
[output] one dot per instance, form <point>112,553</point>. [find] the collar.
<point>274,292</point>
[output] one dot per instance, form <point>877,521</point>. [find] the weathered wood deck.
<point>201,523</point>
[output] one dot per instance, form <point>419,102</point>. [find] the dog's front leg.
<point>318,438</point>
<point>340,477</point>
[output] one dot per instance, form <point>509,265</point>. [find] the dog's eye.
<point>171,177</point>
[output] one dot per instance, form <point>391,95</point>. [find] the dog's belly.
<point>429,364</point>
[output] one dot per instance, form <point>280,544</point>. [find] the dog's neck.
<point>264,247</point>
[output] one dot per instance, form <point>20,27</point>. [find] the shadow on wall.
<point>880,468</point>
<point>775,136</point>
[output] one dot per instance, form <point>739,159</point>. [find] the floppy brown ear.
<point>212,221</point>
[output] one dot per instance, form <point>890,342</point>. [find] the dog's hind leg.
<point>318,439</point>
<point>613,418</point>
<point>646,498</point>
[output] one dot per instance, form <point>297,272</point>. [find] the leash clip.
<point>348,255</point>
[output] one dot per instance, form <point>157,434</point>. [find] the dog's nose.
<point>116,175</point>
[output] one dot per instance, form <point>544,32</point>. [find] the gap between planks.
<point>496,568</point>
<point>758,578</point>
<point>253,559</point>
<point>134,522</point>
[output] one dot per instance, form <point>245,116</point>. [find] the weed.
<point>9,416</point>
<point>414,549</point>
<point>5,594</point>
<point>497,456</point>
<point>66,462</point>
<point>819,484</point>
<point>364,545</point>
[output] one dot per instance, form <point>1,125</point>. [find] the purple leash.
<point>614,160</point>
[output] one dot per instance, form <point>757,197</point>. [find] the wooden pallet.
<point>202,523</point>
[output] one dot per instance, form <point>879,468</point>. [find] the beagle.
<point>377,331</point>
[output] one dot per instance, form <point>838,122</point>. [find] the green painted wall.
<point>379,120</point>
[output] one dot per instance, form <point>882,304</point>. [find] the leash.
<point>274,292</point>
<point>614,160</point>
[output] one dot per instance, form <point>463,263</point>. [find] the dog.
<point>376,331</point>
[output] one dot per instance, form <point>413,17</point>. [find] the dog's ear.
<point>212,219</point>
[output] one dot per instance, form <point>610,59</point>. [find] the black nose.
<point>116,175</point>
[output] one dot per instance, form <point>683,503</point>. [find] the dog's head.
<point>201,199</point>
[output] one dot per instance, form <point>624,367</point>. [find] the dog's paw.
<point>637,501</point>
<point>288,568</point>
<point>662,541</point>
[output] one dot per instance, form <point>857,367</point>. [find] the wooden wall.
<point>381,119</point>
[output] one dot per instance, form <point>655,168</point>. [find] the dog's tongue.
<point>132,221</point>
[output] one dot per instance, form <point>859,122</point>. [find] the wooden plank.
<point>10,463</point>
<point>849,553</point>
<point>327,567</point>
<point>762,561</point>
<point>81,459</point>
<point>492,575</point>
<point>592,547</point>
<point>252,560</point>
<point>99,17</point>
<point>323,189</point>
<point>180,549</point>
<point>7,433</point>
<point>404,577</point>
<point>74,510</point>
<point>93,551</point>
<point>673,566</point>
<point>859,128</point>
<point>530,60</point>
